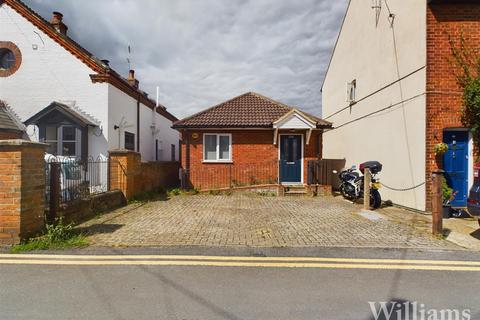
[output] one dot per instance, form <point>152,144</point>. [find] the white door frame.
<point>279,154</point>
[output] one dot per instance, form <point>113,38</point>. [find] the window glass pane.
<point>173,152</point>
<point>294,149</point>
<point>7,59</point>
<point>68,133</point>
<point>210,148</point>
<point>51,133</point>
<point>129,141</point>
<point>69,148</point>
<point>224,147</point>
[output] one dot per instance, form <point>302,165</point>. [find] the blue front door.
<point>291,158</point>
<point>455,164</point>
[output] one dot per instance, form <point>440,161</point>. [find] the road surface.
<point>333,284</point>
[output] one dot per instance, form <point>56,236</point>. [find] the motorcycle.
<point>352,185</point>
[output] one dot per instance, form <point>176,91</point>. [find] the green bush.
<point>446,190</point>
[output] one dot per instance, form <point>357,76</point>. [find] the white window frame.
<point>218,160</point>
<point>77,141</point>
<point>60,141</point>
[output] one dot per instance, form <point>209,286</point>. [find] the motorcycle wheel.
<point>375,199</point>
<point>343,192</point>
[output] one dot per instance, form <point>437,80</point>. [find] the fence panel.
<point>322,171</point>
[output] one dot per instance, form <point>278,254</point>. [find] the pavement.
<point>246,220</point>
<point>335,284</point>
<point>464,231</point>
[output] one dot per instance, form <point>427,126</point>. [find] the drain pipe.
<point>154,126</point>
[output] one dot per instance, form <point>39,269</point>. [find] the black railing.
<point>216,176</point>
<point>69,179</point>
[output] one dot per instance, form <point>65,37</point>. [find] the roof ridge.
<point>210,108</point>
<point>272,101</point>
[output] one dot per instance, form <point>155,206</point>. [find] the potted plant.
<point>440,148</point>
<point>448,195</point>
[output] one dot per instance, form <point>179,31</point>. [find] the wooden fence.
<point>321,172</point>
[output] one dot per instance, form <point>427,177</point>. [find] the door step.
<point>294,190</point>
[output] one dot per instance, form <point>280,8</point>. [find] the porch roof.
<point>75,114</point>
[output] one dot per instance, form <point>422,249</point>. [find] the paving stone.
<point>250,220</point>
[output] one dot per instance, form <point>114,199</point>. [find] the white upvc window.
<point>64,140</point>
<point>217,147</point>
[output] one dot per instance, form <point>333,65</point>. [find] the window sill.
<point>217,161</point>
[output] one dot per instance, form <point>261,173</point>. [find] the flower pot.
<point>446,212</point>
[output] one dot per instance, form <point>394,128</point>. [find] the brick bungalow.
<point>250,139</point>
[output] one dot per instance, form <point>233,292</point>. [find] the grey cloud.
<point>202,52</point>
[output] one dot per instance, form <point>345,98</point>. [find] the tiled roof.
<point>249,110</point>
<point>8,119</point>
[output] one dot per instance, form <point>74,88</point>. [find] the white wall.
<point>49,74</point>
<point>376,56</point>
<point>122,106</point>
<point>122,111</point>
<point>168,136</point>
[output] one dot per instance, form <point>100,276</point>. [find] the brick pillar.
<point>22,189</point>
<point>124,167</point>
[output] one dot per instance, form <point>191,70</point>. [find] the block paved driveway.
<point>252,220</point>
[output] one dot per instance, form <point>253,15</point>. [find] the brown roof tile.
<point>8,120</point>
<point>249,110</point>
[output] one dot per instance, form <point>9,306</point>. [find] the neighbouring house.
<point>10,126</point>
<point>249,140</point>
<point>391,93</point>
<point>71,99</point>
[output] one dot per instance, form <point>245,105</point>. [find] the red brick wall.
<point>132,177</point>
<point>22,190</point>
<point>444,96</point>
<point>6,135</point>
<point>254,156</point>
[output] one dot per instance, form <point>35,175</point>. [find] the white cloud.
<point>203,52</point>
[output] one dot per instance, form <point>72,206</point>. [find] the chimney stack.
<point>57,23</point>
<point>131,79</point>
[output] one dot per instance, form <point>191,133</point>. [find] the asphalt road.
<point>337,286</point>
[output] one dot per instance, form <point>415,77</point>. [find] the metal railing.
<point>215,176</point>
<point>69,179</point>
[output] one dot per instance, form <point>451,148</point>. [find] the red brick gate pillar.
<point>22,189</point>
<point>124,167</point>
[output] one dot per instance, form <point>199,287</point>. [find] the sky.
<point>203,52</point>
